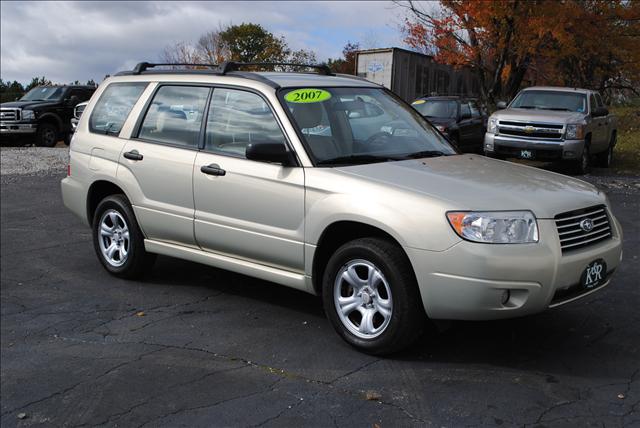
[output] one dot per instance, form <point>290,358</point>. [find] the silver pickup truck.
<point>552,124</point>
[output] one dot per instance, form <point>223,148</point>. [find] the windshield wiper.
<point>533,107</point>
<point>354,159</point>
<point>556,108</point>
<point>423,154</point>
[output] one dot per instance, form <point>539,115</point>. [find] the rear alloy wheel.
<point>371,296</point>
<point>47,135</point>
<point>118,240</point>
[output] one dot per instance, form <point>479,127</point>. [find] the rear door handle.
<point>133,155</point>
<point>213,169</point>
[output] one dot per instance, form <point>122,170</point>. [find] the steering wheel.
<point>379,139</point>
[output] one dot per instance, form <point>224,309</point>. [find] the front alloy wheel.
<point>363,298</point>
<point>371,296</point>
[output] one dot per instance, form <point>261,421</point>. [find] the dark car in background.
<point>460,119</point>
<point>43,115</point>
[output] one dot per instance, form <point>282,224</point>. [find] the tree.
<point>253,43</point>
<point>37,81</point>
<point>346,64</point>
<point>508,42</point>
<point>211,48</point>
<point>91,82</point>
<point>180,53</point>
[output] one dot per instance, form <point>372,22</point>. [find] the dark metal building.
<point>412,74</point>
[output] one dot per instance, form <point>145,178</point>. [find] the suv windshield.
<point>346,126</point>
<point>444,109</point>
<point>43,93</point>
<point>551,100</point>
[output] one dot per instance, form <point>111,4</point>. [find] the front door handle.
<point>213,169</point>
<point>133,155</point>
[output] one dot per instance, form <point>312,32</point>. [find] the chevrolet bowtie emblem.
<point>529,129</point>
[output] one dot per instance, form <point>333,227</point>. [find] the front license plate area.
<point>527,154</point>
<point>594,275</point>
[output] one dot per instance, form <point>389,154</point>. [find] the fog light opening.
<point>506,295</point>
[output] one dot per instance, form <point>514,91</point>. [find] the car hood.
<point>25,104</point>
<point>531,115</point>
<point>472,182</point>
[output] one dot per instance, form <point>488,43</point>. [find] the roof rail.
<point>143,66</point>
<point>228,66</point>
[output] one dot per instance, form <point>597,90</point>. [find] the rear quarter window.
<point>113,107</point>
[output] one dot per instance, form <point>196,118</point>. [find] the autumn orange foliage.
<point>511,43</point>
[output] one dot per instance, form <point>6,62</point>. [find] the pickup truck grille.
<point>531,130</point>
<point>9,114</point>
<point>572,233</point>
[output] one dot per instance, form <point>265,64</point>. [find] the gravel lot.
<point>33,160</point>
<point>194,346</point>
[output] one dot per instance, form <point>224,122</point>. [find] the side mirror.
<point>599,112</point>
<point>73,101</point>
<point>269,152</point>
<point>501,105</point>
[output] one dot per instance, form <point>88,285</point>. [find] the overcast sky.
<point>65,41</point>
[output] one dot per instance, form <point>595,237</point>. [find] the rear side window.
<point>475,111</point>
<point>113,107</point>
<point>465,110</point>
<point>237,119</point>
<point>175,115</point>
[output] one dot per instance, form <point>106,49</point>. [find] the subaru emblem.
<point>586,225</point>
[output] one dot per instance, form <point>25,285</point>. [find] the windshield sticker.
<point>418,102</point>
<point>307,95</point>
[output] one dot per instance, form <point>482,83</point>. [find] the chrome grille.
<point>531,130</point>
<point>9,114</point>
<point>573,236</point>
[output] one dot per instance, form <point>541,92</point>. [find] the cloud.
<point>65,41</point>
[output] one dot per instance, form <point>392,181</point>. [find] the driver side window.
<point>237,119</point>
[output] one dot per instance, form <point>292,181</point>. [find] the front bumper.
<point>541,149</point>
<point>7,128</point>
<point>468,281</point>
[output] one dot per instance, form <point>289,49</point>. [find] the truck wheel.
<point>117,239</point>
<point>605,158</point>
<point>371,296</point>
<point>47,135</point>
<point>583,165</point>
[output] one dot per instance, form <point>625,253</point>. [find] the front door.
<point>243,208</point>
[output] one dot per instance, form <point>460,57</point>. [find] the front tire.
<point>47,135</point>
<point>583,165</point>
<point>118,240</point>
<point>371,296</point>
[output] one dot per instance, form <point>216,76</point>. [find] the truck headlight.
<point>27,115</point>
<point>492,126</point>
<point>574,132</point>
<point>495,227</point>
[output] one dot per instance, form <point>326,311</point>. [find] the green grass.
<point>626,159</point>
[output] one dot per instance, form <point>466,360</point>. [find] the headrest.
<point>308,115</point>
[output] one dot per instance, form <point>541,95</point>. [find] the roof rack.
<point>143,66</point>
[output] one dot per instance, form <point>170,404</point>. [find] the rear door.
<point>478,125</point>
<point>597,126</point>
<point>247,209</point>
<point>157,163</point>
<point>466,127</point>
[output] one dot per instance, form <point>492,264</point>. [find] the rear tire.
<point>47,135</point>
<point>118,240</point>
<point>371,296</point>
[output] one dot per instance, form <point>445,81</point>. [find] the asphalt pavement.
<point>193,346</point>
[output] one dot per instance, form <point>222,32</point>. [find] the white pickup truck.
<point>553,124</point>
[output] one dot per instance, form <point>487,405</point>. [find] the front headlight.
<point>492,126</point>
<point>495,227</point>
<point>27,115</point>
<point>574,132</point>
